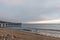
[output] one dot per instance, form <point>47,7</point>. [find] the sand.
<point>9,34</point>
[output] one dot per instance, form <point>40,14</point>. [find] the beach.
<point>22,35</point>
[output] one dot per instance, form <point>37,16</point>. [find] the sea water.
<point>45,29</point>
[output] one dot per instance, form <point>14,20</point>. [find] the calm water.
<point>47,28</point>
<point>42,26</point>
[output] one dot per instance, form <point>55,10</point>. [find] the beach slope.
<point>10,34</point>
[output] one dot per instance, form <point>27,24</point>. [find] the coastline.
<point>22,35</point>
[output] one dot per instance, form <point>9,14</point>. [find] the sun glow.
<point>46,21</point>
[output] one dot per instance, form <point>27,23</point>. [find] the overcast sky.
<point>29,10</point>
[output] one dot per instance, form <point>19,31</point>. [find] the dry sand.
<point>21,35</point>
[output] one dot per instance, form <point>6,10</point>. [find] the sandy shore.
<point>21,35</point>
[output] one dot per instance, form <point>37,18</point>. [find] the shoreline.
<point>22,35</point>
<point>41,33</point>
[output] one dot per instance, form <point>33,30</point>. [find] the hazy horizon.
<point>29,10</point>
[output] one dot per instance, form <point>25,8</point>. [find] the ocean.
<point>45,29</point>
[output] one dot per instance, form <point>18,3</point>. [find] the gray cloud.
<point>31,10</point>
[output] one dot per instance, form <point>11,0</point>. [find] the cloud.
<point>30,10</point>
<point>12,2</point>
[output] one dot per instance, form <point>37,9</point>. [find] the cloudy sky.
<point>29,10</point>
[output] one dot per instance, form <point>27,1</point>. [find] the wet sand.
<point>22,35</point>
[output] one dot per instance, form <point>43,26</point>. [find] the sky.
<point>29,10</point>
